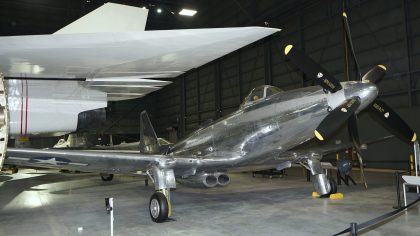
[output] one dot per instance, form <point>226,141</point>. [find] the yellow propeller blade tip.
<point>344,14</point>
<point>382,66</point>
<point>287,49</point>
<point>414,138</point>
<point>318,135</point>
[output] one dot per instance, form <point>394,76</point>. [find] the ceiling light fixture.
<point>159,10</point>
<point>187,12</point>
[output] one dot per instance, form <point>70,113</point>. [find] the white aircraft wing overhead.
<point>113,56</point>
<point>142,54</point>
<point>92,55</point>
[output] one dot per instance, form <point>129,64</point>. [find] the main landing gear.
<point>323,185</point>
<point>333,190</point>
<point>159,207</point>
<point>160,201</point>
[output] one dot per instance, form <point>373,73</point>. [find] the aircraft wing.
<point>89,161</point>
<point>111,61</point>
<point>279,159</point>
<point>322,150</point>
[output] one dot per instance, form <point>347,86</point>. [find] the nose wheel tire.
<point>159,207</point>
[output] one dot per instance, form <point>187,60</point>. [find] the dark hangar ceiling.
<point>25,17</point>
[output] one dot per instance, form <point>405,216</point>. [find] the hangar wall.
<point>384,32</point>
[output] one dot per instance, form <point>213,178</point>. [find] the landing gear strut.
<point>160,201</point>
<point>323,185</point>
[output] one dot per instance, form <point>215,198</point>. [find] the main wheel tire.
<point>333,190</point>
<point>107,177</point>
<point>158,207</point>
<point>333,185</point>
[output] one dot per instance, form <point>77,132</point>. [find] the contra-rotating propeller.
<point>346,112</point>
<point>312,69</point>
<point>377,108</point>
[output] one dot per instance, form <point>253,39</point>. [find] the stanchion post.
<point>397,183</point>
<point>353,229</point>
<point>111,217</point>
<point>109,206</point>
<point>416,156</point>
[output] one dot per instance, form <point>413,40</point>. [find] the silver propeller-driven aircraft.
<point>265,132</point>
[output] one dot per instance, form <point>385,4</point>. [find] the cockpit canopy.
<point>259,93</point>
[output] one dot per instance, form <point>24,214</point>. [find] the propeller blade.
<point>336,118</point>
<point>312,69</point>
<point>354,135</point>
<point>362,171</point>
<point>375,74</point>
<point>390,119</point>
<point>350,41</point>
<point>353,130</point>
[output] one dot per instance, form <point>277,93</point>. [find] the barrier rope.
<point>378,219</point>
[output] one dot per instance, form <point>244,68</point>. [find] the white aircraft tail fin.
<point>110,17</point>
<point>149,143</point>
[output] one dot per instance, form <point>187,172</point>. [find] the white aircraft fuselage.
<point>48,106</point>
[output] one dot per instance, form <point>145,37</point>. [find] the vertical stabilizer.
<point>149,143</point>
<point>110,17</point>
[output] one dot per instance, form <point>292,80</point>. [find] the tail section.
<point>110,17</point>
<point>149,143</point>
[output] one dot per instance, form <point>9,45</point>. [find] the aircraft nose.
<point>365,90</point>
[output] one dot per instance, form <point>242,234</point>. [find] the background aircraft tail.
<point>110,17</point>
<point>149,143</point>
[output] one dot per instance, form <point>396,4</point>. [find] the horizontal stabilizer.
<point>110,17</point>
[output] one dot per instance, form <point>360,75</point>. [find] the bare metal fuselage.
<point>258,133</point>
